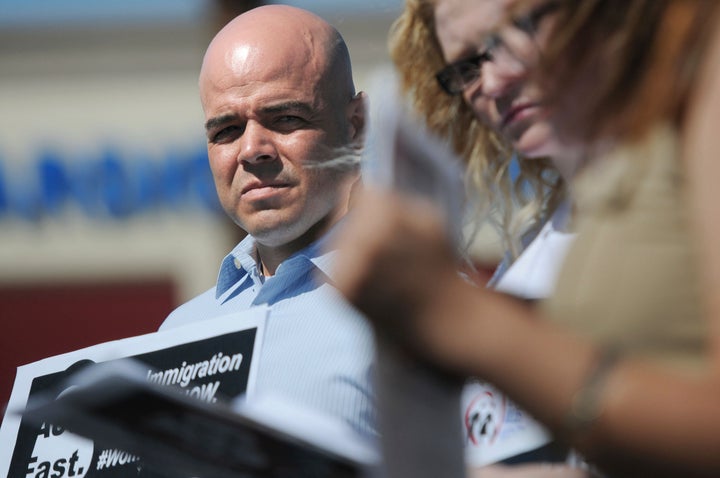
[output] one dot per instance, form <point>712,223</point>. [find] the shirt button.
<point>237,264</point>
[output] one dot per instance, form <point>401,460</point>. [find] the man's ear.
<point>356,114</point>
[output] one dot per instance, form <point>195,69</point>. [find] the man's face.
<point>270,124</point>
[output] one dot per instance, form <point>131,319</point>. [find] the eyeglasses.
<point>503,44</point>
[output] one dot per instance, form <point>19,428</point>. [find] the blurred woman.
<point>486,103</point>
<point>622,361</point>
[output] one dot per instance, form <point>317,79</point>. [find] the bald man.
<point>280,107</point>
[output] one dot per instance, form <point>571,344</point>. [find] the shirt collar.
<point>236,266</point>
<point>319,255</point>
<point>241,262</point>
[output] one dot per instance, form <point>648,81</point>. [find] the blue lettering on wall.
<point>108,185</point>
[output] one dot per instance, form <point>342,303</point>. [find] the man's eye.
<point>288,122</point>
<point>226,134</point>
<point>290,119</point>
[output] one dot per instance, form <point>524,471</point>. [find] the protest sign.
<point>176,435</point>
<point>213,361</point>
<point>498,430</point>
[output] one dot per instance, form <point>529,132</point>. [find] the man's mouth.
<point>260,190</point>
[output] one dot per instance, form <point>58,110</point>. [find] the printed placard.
<point>213,360</point>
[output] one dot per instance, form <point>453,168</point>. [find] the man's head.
<point>277,91</point>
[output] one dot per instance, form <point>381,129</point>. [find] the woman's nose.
<point>501,75</point>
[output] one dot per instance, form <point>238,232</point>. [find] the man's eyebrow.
<point>213,123</point>
<point>288,106</point>
<point>299,106</point>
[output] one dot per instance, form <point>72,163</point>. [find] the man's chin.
<point>273,234</point>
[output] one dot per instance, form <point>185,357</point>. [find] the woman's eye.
<point>487,55</point>
<point>531,22</point>
<point>490,45</point>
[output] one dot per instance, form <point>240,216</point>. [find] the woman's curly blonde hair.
<point>515,206</point>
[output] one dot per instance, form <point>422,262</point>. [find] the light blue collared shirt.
<point>318,350</point>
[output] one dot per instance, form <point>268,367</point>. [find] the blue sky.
<point>20,13</point>
<point>24,12</point>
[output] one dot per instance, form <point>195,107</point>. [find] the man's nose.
<point>256,144</point>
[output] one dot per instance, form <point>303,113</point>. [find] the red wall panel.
<point>42,320</point>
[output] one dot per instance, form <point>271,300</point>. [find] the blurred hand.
<point>397,267</point>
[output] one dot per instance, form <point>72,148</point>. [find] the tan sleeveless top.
<point>630,278</point>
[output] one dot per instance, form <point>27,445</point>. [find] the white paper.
<point>418,409</point>
<point>404,156</point>
<point>534,274</point>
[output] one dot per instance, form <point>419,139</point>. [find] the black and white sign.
<point>212,361</point>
